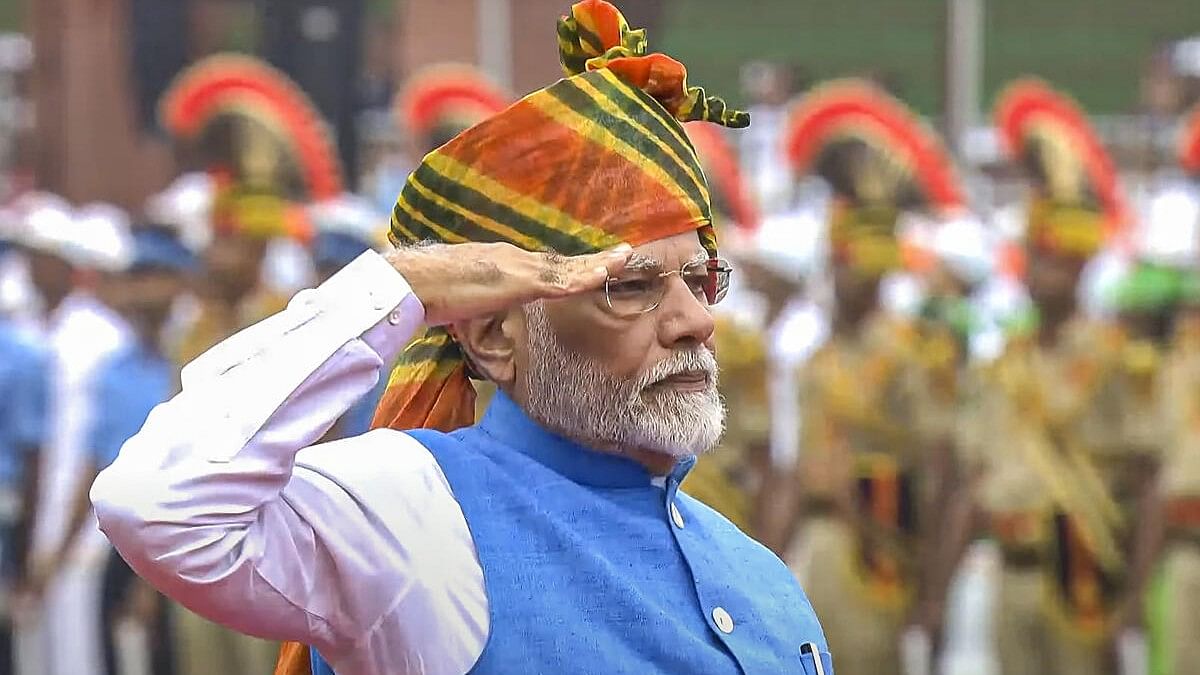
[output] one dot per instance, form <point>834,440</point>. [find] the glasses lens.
<point>634,294</point>
<point>629,295</point>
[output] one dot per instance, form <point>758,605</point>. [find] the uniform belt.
<point>1019,528</point>
<point>1021,535</point>
<point>1023,558</point>
<point>820,506</point>
<point>1183,513</point>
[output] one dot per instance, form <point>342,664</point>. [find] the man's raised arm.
<point>210,502</point>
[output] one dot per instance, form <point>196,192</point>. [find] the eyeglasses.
<point>639,292</point>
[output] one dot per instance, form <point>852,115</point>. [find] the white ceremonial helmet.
<point>186,206</point>
<point>1170,232</point>
<point>788,243</point>
<point>104,240</point>
<point>43,222</point>
<point>351,215</point>
<point>963,244</point>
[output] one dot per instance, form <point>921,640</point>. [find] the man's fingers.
<point>567,276</point>
<point>614,259</point>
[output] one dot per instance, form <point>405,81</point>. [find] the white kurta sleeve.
<point>341,545</point>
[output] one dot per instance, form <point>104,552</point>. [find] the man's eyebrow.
<point>642,263</point>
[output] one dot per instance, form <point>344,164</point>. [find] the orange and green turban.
<point>595,159</point>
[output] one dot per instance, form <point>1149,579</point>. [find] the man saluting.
<point>549,538</point>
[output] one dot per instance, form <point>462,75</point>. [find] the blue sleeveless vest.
<point>593,566</point>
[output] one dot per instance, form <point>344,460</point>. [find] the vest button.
<point>723,620</point>
<point>676,516</point>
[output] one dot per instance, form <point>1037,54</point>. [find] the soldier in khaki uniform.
<point>1066,464</point>
<point>1175,609</point>
<point>864,480</point>
<point>1178,605</point>
<point>764,326</point>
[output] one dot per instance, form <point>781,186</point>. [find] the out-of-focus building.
<point>93,137</point>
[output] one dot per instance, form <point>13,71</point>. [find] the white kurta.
<point>358,547</point>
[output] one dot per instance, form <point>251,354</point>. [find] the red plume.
<point>229,83</point>
<point>724,172</point>
<point>861,109</point>
<point>444,90</point>
<point>1189,142</point>
<point>1030,100</point>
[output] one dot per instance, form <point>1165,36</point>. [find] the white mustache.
<point>698,360</point>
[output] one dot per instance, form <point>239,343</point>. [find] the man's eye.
<point>698,284</point>
<point>630,286</point>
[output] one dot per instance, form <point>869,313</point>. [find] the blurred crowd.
<point>971,429</point>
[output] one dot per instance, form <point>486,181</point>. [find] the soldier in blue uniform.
<point>130,383</point>
<point>23,394</point>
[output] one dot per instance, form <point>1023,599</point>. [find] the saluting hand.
<point>465,281</point>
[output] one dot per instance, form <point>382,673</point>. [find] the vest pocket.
<point>815,661</point>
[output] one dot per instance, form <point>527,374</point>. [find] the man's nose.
<point>684,321</point>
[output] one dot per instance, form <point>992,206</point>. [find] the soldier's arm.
<point>956,518</point>
<point>1148,535</point>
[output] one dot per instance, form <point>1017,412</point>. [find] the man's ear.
<point>490,344</point>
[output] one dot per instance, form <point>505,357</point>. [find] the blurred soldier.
<point>23,431</point>
<point>131,382</point>
<point>1138,395</point>
<point>955,329</point>
<point>269,154</point>
<point>768,87</point>
<point>762,331</point>
<point>1063,471</point>
<point>863,470</point>
<point>1176,610</point>
<point>72,257</point>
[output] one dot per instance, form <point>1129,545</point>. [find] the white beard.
<point>577,398</point>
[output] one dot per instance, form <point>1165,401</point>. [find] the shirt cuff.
<point>378,286</point>
<point>388,337</point>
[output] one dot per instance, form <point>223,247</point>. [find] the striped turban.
<point>593,160</point>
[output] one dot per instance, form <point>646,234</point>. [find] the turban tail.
<point>594,160</point>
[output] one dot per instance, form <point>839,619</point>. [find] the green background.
<point>1095,49</point>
